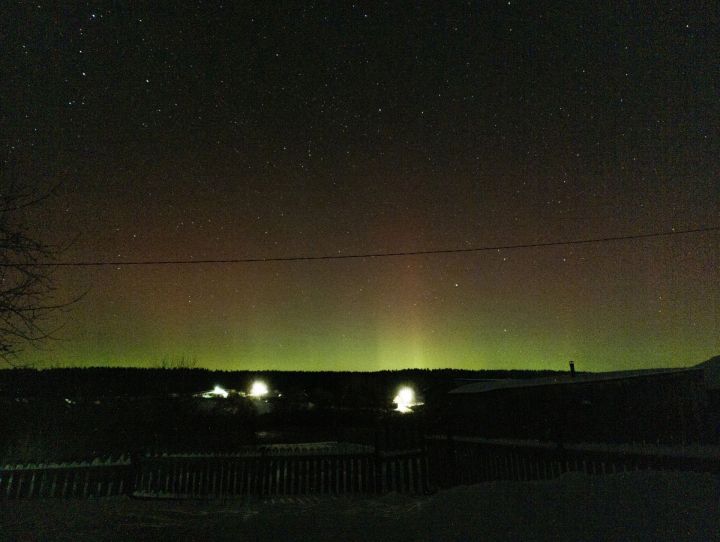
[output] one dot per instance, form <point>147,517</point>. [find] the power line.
<point>365,255</point>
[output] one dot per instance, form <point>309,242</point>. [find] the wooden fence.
<point>260,472</point>
<point>95,478</point>
<point>470,460</point>
<point>332,469</point>
<point>266,474</point>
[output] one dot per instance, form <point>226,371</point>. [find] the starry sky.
<point>220,130</point>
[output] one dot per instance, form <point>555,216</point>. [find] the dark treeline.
<point>95,382</point>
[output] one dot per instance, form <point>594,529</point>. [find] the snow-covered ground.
<point>635,506</point>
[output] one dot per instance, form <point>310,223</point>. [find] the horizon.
<point>199,367</point>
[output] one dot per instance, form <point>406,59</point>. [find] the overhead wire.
<point>358,256</point>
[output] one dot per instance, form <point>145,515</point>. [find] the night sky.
<point>222,130</point>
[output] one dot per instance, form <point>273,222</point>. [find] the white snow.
<point>637,506</point>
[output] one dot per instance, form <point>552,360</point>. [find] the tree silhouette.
<point>28,294</point>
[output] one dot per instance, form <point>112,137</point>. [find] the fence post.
<point>133,475</point>
<point>452,460</point>
<point>378,481</point>
<point>261,471</point>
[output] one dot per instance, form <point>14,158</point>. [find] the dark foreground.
<point>638,506</point>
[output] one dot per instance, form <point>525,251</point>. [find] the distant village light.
<point>258,389</point>
<point>219,392</point>
<point>404,399</point>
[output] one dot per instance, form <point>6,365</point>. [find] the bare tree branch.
<point>28,295</point>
